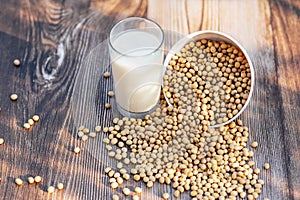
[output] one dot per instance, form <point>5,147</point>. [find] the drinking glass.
<point>136,52</point>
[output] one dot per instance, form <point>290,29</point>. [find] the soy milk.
<point>137,71</point>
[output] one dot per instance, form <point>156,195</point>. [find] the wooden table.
<point>62,49</point>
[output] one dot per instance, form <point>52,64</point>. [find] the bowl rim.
<point>212,35</point>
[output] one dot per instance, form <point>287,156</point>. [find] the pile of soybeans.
<point>206,84</point>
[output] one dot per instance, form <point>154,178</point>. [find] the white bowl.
<point>213,35</point>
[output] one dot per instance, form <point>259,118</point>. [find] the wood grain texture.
<point>286,37</point>
<point>63,51</point>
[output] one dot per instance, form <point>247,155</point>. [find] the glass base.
<point>138,115</point>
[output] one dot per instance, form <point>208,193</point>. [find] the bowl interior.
<point>212,35</point>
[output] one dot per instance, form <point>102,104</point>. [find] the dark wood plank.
<point>285,24</point>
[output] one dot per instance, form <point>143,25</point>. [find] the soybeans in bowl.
<point>211,72</point>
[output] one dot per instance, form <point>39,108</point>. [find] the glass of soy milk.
<point>136,52</point>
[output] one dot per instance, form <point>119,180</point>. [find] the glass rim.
<point>132,18</point>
